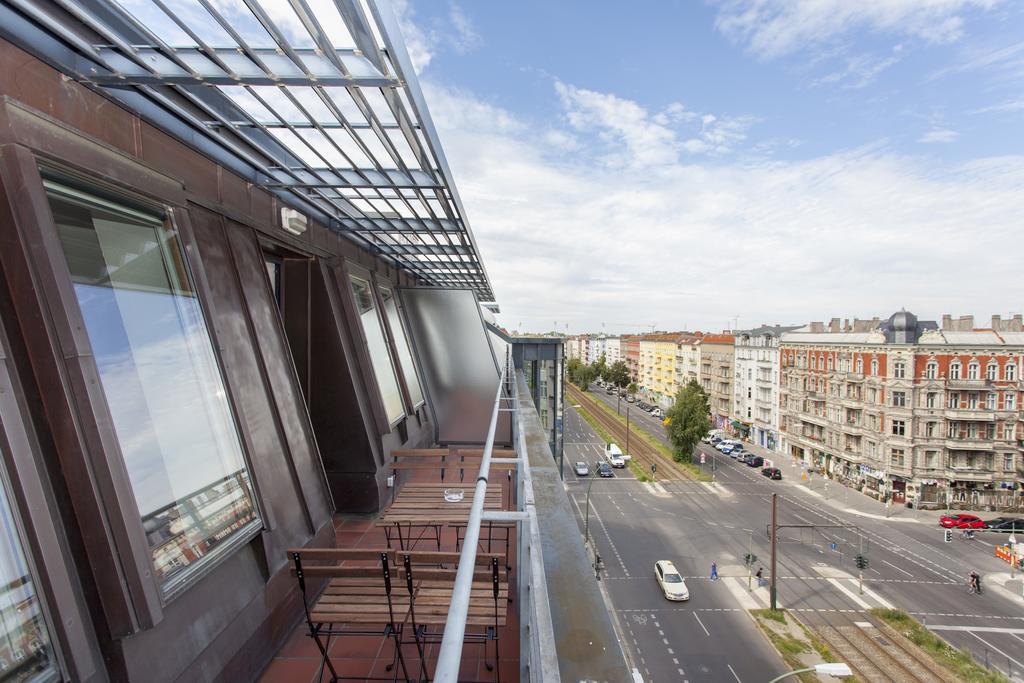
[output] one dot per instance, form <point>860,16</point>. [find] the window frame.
<point>177,218</point>
<point>410,405</point>
<point>348,270</point>
<point>90,455</point>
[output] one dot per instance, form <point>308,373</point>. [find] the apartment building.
<point>613,350</point>
<point>687,359</point>
<point>755,390</point>
<point>629,347</point>
<point>905,410</point>
<point>716,374</point>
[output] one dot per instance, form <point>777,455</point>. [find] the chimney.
<point>833,325</point>
<point>846,325</point>
<point>817,326</point>
<point>996,320</point>
<point>947,321</point>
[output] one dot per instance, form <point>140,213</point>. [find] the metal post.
<point>860,572</point>
<point>775,530</point>
<point>750,552</point>
<point>627,429</point>
<point>449,660</point>
<point>586,517</point>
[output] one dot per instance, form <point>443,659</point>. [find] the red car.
<point>961,522</point>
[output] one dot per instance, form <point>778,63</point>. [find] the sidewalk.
<point>844,498</point>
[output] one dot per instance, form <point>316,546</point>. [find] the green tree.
<point>687,420</point>
<point>600,368</point>
<point>632,388</point>
<point>584,376</point>
<point>618,374</point>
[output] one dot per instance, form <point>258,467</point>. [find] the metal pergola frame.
<point>341,133</point>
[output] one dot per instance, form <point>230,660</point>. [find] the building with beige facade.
<point>716,375</point>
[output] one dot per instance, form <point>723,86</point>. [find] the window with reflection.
<point>402,346</point>
<point>387,381</point>
<point>163,386</point>
<point>25,652</point>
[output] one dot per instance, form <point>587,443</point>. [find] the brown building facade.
<point>188,388</point>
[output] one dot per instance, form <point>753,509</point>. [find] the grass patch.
<point>773,614</point>
<point>958,662</point>
<point>634,467</point>
<point>789,647</point>
<point>691,470</point>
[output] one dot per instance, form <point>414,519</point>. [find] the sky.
<point>718,164</point>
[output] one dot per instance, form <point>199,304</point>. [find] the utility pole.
<point>774,595</point>
<point>860,572</point>
<point>750,555</point>
<point>627,429</point>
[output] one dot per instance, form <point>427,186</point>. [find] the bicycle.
<point>967,535</point>
<point>975,589</point>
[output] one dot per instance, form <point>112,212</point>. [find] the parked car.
<point>1006,524</point>
<point>772,472</point>
<point>657,412</point>
<point>728,445</point>
<point>756,461</point>
<point>670,581</point>
<point>961,521</point>
<point>742,456</point>
<point>629,398</point>
<point>604,470</point>
<point>609,391</point>
<point>582,470</point>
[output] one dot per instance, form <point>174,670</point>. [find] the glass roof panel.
<point>260,66</point>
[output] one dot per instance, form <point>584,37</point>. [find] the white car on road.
<point>670,580</point>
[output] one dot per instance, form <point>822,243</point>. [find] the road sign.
<point>703,458</point>
<point>833,546</point>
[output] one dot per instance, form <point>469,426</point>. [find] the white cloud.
<point>859,70</point>
<point>420,44</point>
<point>631,136</point>
<point>1011,106</point>
<point>465,38</point>
<point>860,232</point>
<point>772,28</point>
<point>939,135</point>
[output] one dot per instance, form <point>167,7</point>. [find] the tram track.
<point>877,653</point>
<point>638,447</point>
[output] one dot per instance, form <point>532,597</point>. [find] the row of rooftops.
<point>902,327</point>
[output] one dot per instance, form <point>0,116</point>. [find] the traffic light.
<point>862,562</point>
<point>948,536</point>
<point>750,559</point>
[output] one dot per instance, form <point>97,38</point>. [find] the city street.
<point>634,524</point>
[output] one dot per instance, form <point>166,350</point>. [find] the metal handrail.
<point>449,659</point>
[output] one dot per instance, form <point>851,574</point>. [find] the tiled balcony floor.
<point>298,661</point>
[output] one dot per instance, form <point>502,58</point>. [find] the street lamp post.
<point>586,517</point>
<point>627,429</point>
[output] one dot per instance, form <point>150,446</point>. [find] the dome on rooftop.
<point>902,321</point>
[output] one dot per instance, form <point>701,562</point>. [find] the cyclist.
<point>967,534</point>
<point>975,582</point>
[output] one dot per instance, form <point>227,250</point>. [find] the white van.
<point>614,455</point>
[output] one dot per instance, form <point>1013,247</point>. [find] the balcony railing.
<point>980,414</point>
<point>968,383</point>
<point>969,443</point>
<point>549,551</point>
